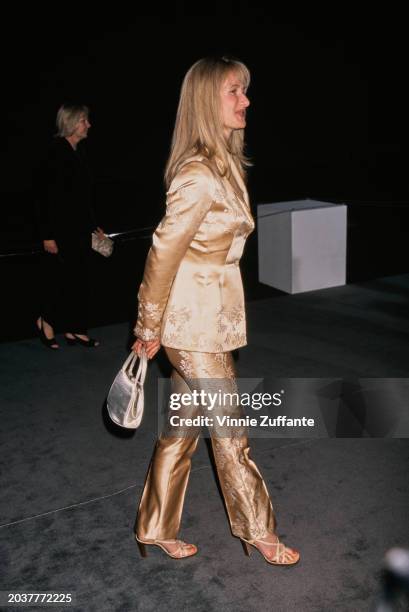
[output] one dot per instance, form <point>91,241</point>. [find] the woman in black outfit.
<point>66,223</point>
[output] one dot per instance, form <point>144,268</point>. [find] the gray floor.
<point>70,483</point>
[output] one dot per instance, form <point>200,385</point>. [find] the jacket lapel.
<point>240,190</point>
<point>236,185</point>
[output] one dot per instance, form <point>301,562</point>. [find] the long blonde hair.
<point>199,126</point>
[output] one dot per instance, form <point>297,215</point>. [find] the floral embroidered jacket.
<point>191,295</point>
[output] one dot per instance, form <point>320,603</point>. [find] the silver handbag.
<point>104,246</point>
<point>125,397</point>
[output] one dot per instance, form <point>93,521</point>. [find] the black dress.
<point>66,216</point>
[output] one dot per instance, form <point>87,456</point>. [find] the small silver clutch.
<point>104,246</point>
<point>125,398</point>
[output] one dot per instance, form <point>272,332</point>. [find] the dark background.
<point>327,120</point>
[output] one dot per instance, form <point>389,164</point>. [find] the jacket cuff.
<point>148,323</point>
<point>144,333</point>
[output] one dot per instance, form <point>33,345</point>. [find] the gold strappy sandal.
<point>283,556</point>
<point>183,551</point>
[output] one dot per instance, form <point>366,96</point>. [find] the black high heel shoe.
<point>50,343</point>
<point>90,343</point>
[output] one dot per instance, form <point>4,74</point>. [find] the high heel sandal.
<point>181,552</point>
<point>50,343</point>
<point>90,343</point>
<point>282,554</point>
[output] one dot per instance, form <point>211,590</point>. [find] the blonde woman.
<point>191,302</point>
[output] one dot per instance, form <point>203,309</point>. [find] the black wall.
<point>327,117</point>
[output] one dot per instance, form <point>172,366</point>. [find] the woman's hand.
<point>151,347</point>
<point>50,246</point>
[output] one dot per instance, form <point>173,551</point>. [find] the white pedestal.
<point>302,245</point>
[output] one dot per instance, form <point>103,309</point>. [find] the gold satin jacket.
<point>191,296</point>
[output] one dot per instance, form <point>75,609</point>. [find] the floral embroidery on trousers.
<point>245,494</point>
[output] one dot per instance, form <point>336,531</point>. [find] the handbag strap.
<point>130,361</point>
<point>142,367</point>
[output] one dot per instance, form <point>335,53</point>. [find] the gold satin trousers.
<point>245,494</point>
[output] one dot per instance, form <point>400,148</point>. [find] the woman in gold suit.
<point>191,302</point>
